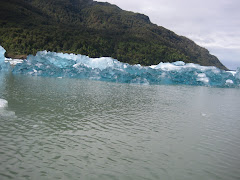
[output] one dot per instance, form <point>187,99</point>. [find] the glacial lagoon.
<point>65,128</point>
<point>72,117</point>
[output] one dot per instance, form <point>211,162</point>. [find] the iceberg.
<point>60,65</point>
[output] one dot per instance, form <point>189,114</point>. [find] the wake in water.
<point>109,69</point>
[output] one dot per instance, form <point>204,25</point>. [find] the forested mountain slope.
<point>95,29</point>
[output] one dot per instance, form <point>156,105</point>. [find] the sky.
<point>213,24</point>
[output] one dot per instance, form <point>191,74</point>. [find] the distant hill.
<point>95,29</point>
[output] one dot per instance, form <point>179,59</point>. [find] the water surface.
<point>80,129</point>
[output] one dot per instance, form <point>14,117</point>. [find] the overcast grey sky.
<point>213,24</point>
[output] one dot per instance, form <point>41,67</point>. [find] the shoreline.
<point>22,56</point>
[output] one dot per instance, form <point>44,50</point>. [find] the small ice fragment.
<point>3,103</point>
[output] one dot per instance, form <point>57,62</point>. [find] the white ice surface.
<point>13,61</point>
<point>3,103</point>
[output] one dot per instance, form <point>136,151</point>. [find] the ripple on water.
<point>76,129</point>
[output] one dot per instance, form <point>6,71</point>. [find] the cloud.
<point>212,24</point>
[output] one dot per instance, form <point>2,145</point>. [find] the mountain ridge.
<point>94,29</point>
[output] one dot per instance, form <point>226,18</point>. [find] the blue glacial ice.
<point>108,69</point>
<point>2,52</point>
<point>2,57</point>
<point>4,66</point>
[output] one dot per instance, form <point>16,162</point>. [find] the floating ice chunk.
<point>3,103</point>
<point>203,114</point>
<point>4,113</point>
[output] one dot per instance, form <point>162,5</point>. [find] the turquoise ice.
<point>61,65</point>
<point>3,66</point>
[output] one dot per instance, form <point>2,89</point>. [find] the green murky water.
<point>80,129</point>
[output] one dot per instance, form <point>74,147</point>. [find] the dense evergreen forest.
<point>95,29</point>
